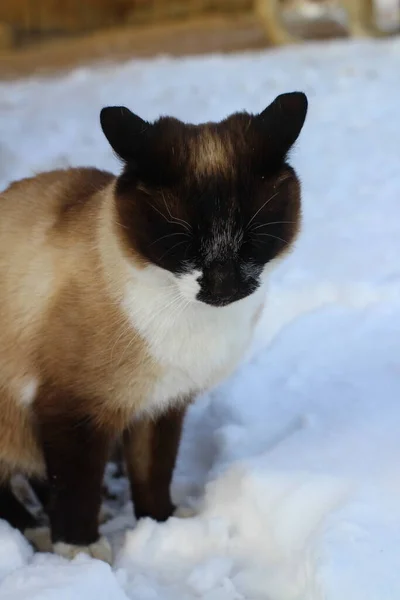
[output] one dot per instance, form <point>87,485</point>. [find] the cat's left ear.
<point>283,120</point>
<point>126,132</point>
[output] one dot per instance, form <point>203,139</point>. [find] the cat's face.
<point>211,205</point>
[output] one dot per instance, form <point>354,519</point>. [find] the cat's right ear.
<point>282,122</point>
<point>126,133</point>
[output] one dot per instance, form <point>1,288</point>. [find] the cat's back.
<point>43,213</point>
<point>45,223</point>
<point>52,199</point>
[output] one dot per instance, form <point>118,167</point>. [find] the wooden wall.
<point>79,15</point>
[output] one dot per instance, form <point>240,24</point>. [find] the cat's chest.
<point>198,355</point>
<point>196,349</point>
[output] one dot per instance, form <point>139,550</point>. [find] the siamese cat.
<point>122,298</point>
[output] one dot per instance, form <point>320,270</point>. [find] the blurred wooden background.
<point>40,36</point>
<point>26,19</point>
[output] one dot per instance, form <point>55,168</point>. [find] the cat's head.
<point>210,204</point>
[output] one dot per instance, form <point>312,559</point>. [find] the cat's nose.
<point>221,280</point>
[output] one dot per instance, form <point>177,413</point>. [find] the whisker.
<point>176,310</point>
<point>162,214</point>
<point>260,209</point>
<point>276,237</point>
<point>174,222</point>
<point>179,309</point>
<point>168,235</point>
<point>154,316</point>
<point>184,223</point>
<point>124,331</point>
<point>254,228</point>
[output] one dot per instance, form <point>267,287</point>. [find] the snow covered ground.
<point>293,464</point>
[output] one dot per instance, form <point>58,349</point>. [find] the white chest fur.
<point>196,345</point>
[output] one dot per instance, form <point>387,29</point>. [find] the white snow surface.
<point>294,463</point>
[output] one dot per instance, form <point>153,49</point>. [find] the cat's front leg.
<point>75,451</point>
<point>151,446</point>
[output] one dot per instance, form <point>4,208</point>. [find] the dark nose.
<point>222,279</point>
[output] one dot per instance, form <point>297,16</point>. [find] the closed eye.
<point>169,250</point>
<point>169,235</point>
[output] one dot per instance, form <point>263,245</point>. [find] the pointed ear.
<point>282,121</point>
<point>126,132</point>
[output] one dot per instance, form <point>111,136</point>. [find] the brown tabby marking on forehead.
<point>210,154</point>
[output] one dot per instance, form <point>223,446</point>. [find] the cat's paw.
<point>185,512</point>
<point>100,550</point>
<point>40,538</point>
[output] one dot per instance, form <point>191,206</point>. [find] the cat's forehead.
<point>210,152</point>
<point>208,149</point>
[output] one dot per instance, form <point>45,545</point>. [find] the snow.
<point>294,463</point>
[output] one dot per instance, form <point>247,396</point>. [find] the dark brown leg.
<point>151,448</point>
<point>75,452</point>
<point>118,458</point>
<point>13,511</point>
<point>42,491</point>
